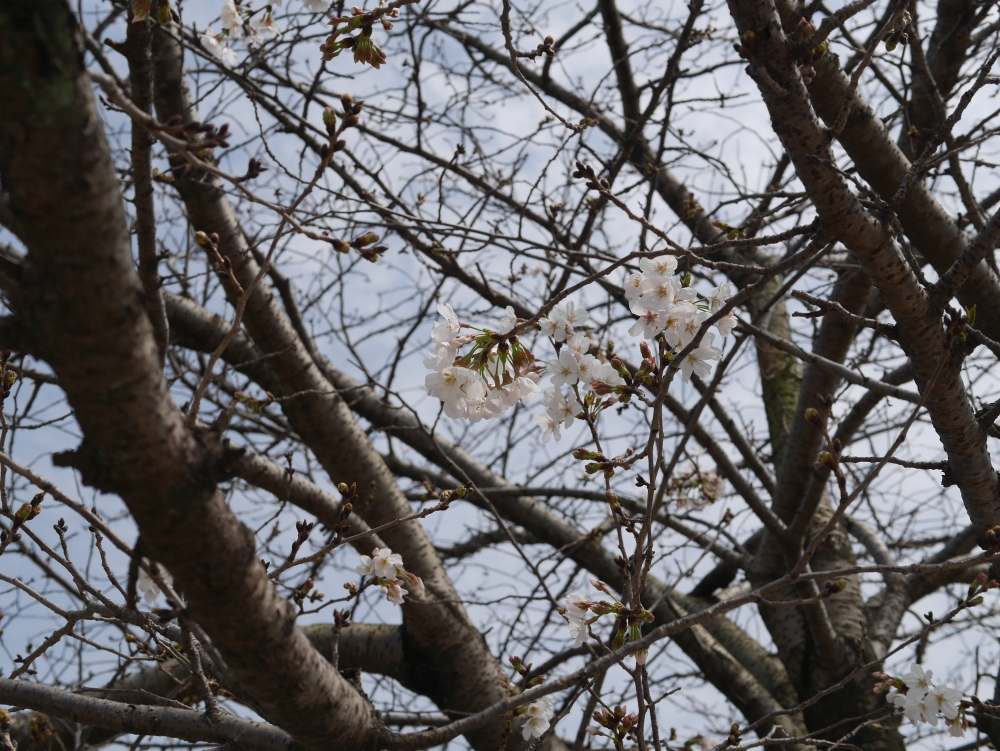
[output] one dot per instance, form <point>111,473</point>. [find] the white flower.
<point>943,699</point>
<point>577,606</point>
<point>521,388</point>
<point>726,324</point>
<point>913,707</point>
<point>232,19</point>
<point>575,316</point>
<point>456,388</point>
<point>561,409</point>
<point>918,680</point>
<point>697,359</point>
<point>957,727</point>
<point>383,563</point>
<point>581,341</point>
<point>690,327</point>
<point>149,588</point>
<point>605,373</point>
<point>262,27</point>
<point>661,266</point>
<point>228,55</point>
<point>587,368</point>
<point>393,592</point>
<point>633,286</point>
<point>317,6</point>
<point>677,318</point>
<point>560,321</point>
<point>651,320</point>
<point>550,428</point>
<point>534,727</point>
<point>718,296</point>
<point>508,322</point>
<point>449,329</point>
<point>565,370</point>
<point>211,43</point>
<point>659,292</point>
<point>443,357</point>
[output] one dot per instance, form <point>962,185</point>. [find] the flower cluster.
<point>618,722</point>
<point>578,606</point>
<point>495,374</point>
<point>537,715</point>
<point>387,568</point>
<point>253,27</point>
<point>922,701</point>
<point>667,306</point>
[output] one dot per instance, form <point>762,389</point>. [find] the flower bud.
<point>330,119</point>
<point>813,416</point>
<point>202,239</point>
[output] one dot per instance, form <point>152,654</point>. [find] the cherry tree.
<point>564,375</point>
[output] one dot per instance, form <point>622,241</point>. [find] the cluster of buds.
<point>805,31</point>
<point>364,244</point>
<point>256,405</point>
<point>691,209</point>
<point>544,48</point>
<point>733,233</point>
<point>365,49</point>
<point>8,377</point>
<point>164,13</point>
<point>695,488</point>
<point>898,34</point>
<point>22,516</point>
<point>648,372</point>
<point>306,591</point>
<point>629,620</point>
<point>598,462</point>
<point>981,584</point>
<point>742,47</point>
<point>222,265</point>
<point>618,723</point>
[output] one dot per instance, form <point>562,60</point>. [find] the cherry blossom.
<point>663,266</point>
<point>719,295</point>
<point>633,286</point>
<point>393,591</point>
<point>383,563</point>
<point>565,370</point>
<point>537,714</point>
<point>450,328</point>
<point>262,27</point>
<point>651,321</point>
<point>149,588</point>
<point>697,360</point>
<point>581,341</point>
<point>550,428</point>
<point>559,408</point>
<point>726,324</point>
<point>317,6</point>
<point>508,322</point>
<point>232,19</point>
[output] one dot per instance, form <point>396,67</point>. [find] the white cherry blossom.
<point>508,322</point>
<point>633,286</point>
<point>449,329</point>
<point>581,341</point>
<point>575,317</point>
<point>550,428</point>
<point>317,6</point>
<point>677,318</point>
<point>719,295</point>
<point>918,680</point>
<point>393,591</point>
<point>726,324</point>
<point>559,408</point>
<point>149,588</point>
<point>660,266</point>
<point>565,370</point>
<point>697,360</point>
<point>537,716</point>
<point>651,321</point>
<point>587,368</point>
<point>943,699</point>
<point>232,19</point>
<point>382,563</point>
